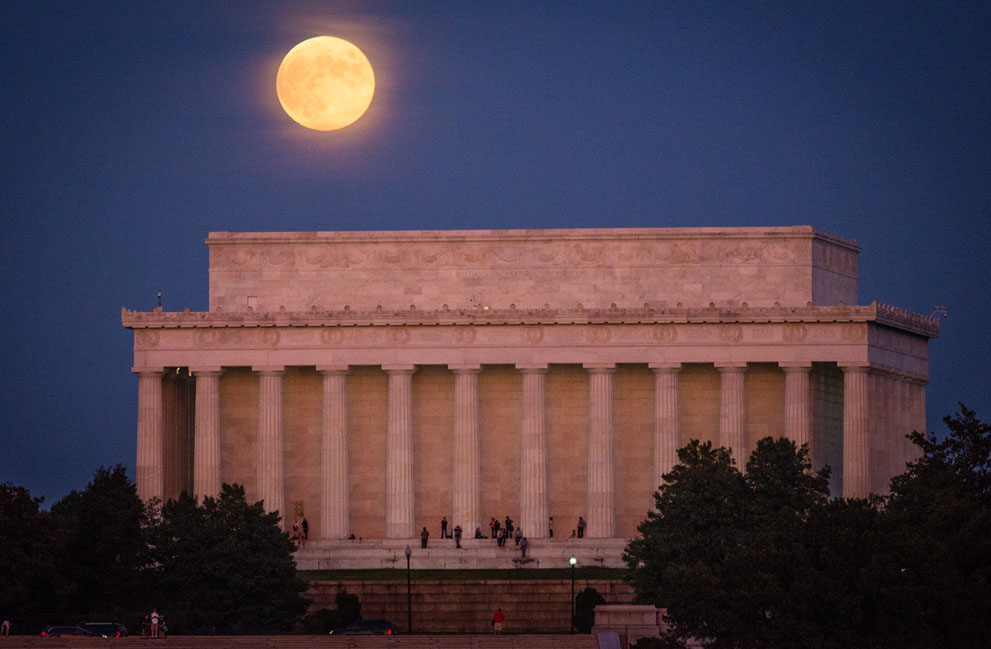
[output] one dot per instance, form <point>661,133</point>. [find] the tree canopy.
<point>226,566</point>
<point>765,559</point>
<point>222,565</point>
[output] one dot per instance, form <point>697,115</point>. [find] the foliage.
<point>348,606</point>
<point>226,566</point>
<point>652,643</point>
<point>766,560</point>
<point>324,620</point>
<point>28,578</point>
<point>585,603</point>
<point>103,536</point>
<point>940,508</point>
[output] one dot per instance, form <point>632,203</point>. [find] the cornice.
<point>646,314</point>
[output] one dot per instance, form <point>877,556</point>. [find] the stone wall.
<point>467,606</point>
<point>530,268</point>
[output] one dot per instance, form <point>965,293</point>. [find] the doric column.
<point>399,453</point>
<point>856,445</point>
<point>666,422</point>
<point>270,475</point>
<point>601,489</point>
<point>798,403</point>
<point>533,454</point>
<point>334,480</point>
<point>466,493</point>
<point>732,414</point>
<point>150,473</point>
<point>206,431</point>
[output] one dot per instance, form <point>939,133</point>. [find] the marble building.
<point>376,382</point>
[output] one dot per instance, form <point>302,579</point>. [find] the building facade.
<point>376,382</point>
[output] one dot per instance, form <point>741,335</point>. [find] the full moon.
<point>325,83</point>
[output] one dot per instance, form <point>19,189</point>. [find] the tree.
<point>103,535</point>
<point>226,566</point>
<point>29,581</point>
<point>718,552</point>
<point>766,560</point>
<point>585,603</point>
<point>940,511</point>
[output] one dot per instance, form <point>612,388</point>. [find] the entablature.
<point>645,314</point>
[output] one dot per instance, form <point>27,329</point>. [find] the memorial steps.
<point>313,642</point>
<point>476,554</point>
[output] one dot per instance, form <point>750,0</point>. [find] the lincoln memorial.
<point>376,382</point>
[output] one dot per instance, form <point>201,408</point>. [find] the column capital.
<point>664,368</point>
<point>731,367</point>
<point>398,369</point>
<point>854,368</point>
<point>532,368</point>
<point>467,368</point>
<point>269,370</point>
<point>332,370</point>
<point>599,368</point>
<point>795,366</point>
<point>149,371</point>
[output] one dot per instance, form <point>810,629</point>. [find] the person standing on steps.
<point>523,546</point>
<point>443,528</point>
<point>424,535</point>
<point>155,621</point>
<point>581,527</point>
<point>497,621</point>
<point>457,537</point>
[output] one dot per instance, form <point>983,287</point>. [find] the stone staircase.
<point>310,642</point>
<point>474,554</point>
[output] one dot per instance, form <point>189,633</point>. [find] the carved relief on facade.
<point>731,333</point>
<point>532,334</point>
<point>598,334</point>
<point>397,335</point>
<point>465,335</point>
<point>855,333</point>
<point>206,337</point>
<point>331,337</point>
<point>146,338</point>
<point>664,333</point>
<point>793,333</point>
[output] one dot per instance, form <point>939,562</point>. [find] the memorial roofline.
<point>575,234</point>
<point>883,314</point>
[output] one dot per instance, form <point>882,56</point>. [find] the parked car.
<point>67,631</point>
<point>106,629</point>
<point>368,627</point>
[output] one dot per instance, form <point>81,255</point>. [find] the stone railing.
<point>646,314</point>
<point>904,319</point>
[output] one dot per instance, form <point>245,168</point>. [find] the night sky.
<point>129,130</point>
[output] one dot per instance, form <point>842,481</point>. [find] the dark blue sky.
<point>129,130</point>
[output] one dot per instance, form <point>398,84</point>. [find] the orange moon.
<point>325,83</point>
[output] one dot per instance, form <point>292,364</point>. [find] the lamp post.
<point>572,561</point>
<point>409,597</point>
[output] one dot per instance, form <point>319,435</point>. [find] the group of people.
<point>500,531</point>
<point>300,532</point>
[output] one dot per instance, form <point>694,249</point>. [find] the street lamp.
<point>409,597</point>
<point>572,561</point>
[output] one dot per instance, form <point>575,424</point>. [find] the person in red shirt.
<point>497,621</point>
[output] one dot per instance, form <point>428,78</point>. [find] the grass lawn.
<point>391,574</point>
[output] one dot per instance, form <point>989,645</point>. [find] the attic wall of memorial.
<point>793,266</point>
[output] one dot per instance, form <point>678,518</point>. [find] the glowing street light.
<point>572,561</point>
